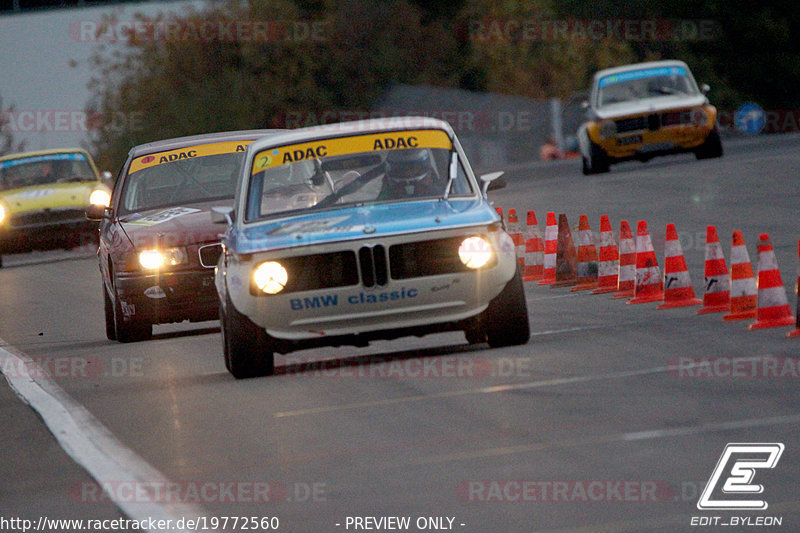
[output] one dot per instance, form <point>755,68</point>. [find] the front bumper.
<point>23,234</point>
<point>665,132</point>
<point>407,298</point>
<point>168,296</point>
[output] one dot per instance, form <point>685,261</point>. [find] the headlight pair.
<point>271,277</point>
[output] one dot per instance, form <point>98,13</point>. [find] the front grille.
<point>209,254</point>
<point>47,217</point>
<point>372,260</point>
<point>426,258</point>
<point>675,118</point>
<point>631,124</point>
<point>315,272</point>
<point>653,122</point>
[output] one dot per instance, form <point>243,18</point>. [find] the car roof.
<point>638,66</point>
<point>356,127</point>
<point>204,138</point>
<point>49,151</point>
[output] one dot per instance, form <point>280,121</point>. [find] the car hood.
<point>73,195</point>
<point>180,226</point>
<point>363,222</point>
<point>649,105</point>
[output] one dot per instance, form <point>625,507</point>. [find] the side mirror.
<point>222,215</point>
<point>705,88</point>
<point>585,104</point>
<point>98,212</point>
<point>490,179</point>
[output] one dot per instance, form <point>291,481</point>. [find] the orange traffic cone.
<point>773,307</point>
<point>515,232</point>
<point>587,257</point>
<point>566,256</point>
<point>550,250</point>
<point>649,285</point>
<point>626,279</point>
<point>608,260</point>
<point>534,250</point>
<point>796,331</point>
<point>743,291</point>
<point>678,290</point>
<point>716,295</point>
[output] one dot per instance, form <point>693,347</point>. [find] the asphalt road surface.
<point>600,423</point>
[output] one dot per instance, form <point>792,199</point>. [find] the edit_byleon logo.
<point>731,484</point>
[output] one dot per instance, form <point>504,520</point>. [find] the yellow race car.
<point>44,196</point>
<point>645,110</point>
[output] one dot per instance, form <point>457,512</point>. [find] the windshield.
<point>357,170</point>
<point>45,169</point>
<point>645,83</point>
<point>178,177</point>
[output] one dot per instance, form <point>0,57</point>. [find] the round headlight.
<point>151,259</point>
<point>2,213</point>
<point>475,252</point>
<point>270,277</point>
<point>100,197</point>
<point>608,128</point>
<point>699,116</point>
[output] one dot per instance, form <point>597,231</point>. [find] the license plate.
<point>631,139</point>
<point>657,147</point>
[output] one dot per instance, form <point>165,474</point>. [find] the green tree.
<point>319,59</point>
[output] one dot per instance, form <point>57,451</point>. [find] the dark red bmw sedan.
<point>158,245</point>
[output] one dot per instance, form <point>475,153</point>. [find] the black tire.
<point>506,318</point>
<point>475,333</point>
<point>245,345</point>
<point>132,330</point>
<point>108,305</point>
<point>711,147</point>
<point>597,163</point>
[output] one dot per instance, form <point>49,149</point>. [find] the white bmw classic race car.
<point>352,232</point>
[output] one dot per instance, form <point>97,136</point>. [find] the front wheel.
<point>108,305</point>
<point>711,147</point>
<point>597,162</point>
<point>131,331</point>
<point>245,345</point>
<point>506,318</point>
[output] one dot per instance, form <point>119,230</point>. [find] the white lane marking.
<point>89,443</point>
<point>481,390</point>
<point>710,427</point>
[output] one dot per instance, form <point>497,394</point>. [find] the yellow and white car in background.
<point>44,196</point>
<point>644,110</point>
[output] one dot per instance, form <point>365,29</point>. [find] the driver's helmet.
<point>408,169</point>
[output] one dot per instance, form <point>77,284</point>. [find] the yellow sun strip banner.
<point>189,152</point>
<point>357,144</point>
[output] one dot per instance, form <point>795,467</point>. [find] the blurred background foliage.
<point>336,56</point>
